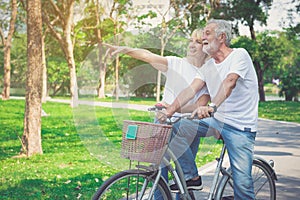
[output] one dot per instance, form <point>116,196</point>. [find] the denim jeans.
<point>191,126</point>
<point>194,149</point>
<point>240,145</point>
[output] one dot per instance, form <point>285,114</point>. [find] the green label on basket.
<point>131,132</point>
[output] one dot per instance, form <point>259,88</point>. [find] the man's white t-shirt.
<point>240,109</point>
<point>179,76</point>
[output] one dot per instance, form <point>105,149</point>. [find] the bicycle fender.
<point>267,165</point>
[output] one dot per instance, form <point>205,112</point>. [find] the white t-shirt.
<point>240,109</point>
<point>179,75</point>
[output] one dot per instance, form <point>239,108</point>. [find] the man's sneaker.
<point>191,185</point>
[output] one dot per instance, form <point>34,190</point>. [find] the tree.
<point>31,139</point>
<point>59,19</point>
<point>167,29</point>
<point>58,75</point>
<point>7,48</point>
<point>290,81</point>
<point>94,28</point>
<point>102,67</point>
<point>118,13</point>
<point>193,13</point>
<point>247,12</point>
<point>264,51</point>
<point>289,64</point>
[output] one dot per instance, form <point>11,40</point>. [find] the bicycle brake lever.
<point>159,106</point>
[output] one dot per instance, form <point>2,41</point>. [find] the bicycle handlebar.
<point>173,119</point>
<point>159,107</point>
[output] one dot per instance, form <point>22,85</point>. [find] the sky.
<point>277,14</point>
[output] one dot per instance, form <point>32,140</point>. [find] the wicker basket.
<point>144,142</point>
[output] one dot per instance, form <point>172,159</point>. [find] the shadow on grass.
<point>81,187</point>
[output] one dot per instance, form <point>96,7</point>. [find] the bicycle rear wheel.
<point>132,184</point>
<point>264,184</point>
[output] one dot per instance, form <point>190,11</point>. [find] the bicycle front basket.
<point>144,141</point>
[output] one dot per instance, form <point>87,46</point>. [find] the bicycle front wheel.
<point>132,185</point>
<point>264,184</point>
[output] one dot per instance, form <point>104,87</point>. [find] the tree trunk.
<point>45,92</point>
<point>72,71</point>
<point>31,139</point>
<point>259,71</point>
<point>7,69</point>
<point>116,39</point>
<point>69,54</point>
<point>117,78</point>
<point>260,75</point>
<point>252,33</point>
<point>101,88</point>
<point>288,96</point>
<point>163,44</point>
<point>7,47</point>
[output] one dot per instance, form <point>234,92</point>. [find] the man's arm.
<point>190,107</point>
<point>224,92</point>
<point>226,88</point>
<point>184,96</point>
<point>158,62</point>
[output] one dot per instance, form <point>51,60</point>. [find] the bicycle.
<point>147,143</point>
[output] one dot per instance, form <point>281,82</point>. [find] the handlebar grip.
<point>157,107</point>
<point>160,106</point>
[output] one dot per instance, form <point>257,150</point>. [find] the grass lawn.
<point>81,148</point>
<point>280,110</point>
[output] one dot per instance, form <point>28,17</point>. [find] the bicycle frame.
<point>219,169</point>
<point>179,176</point>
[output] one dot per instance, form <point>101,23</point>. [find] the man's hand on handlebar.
<point>203,112</point>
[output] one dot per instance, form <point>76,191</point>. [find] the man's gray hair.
<point>223,26</point>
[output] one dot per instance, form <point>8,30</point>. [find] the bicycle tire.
<point>263,181</point>
<point>124,185</point>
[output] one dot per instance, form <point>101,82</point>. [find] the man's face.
<point>210,41</point>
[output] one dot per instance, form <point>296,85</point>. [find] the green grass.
<point>280,110</point>
<point>81,148</point>
<point>66,170</point>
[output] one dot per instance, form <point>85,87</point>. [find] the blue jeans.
<point>240,145</point>
<point>193,150</point>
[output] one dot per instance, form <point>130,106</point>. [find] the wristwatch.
<point>213,106</point>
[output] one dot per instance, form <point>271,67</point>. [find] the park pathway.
<point>278,141</point>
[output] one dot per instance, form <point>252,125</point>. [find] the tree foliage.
<point>289,73</point>
<point>275,53</point>
<point>246,12</point>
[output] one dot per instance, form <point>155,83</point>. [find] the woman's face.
<point>195,46</point>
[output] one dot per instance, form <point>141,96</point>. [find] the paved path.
<point>279,141</point>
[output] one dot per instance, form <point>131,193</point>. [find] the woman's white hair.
<point>222,27</point>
